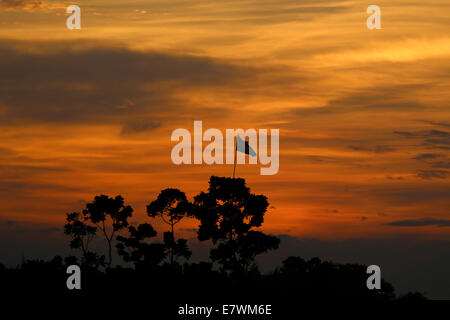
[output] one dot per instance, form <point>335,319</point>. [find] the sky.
<point>364,118</point>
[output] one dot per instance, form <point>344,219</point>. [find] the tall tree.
<point>134,248</point>
<point>109,215</point>
<point>228,212</point>
<point>171,206</point>
<point>81,233</point>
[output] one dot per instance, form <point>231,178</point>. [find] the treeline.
<point>228,215</point>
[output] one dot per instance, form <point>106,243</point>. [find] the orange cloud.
<point>28,5</point>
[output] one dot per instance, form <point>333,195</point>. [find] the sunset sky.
<point>364,115</point>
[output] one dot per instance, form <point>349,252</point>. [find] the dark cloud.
<point>375,149</point>
<point>16,179</point>
<point>138,126</point>
<point>432,174</point>
<point>331,211</point>
<point>369,100</point>
<point>320,159</point>
<point>401,194</point>
<point>289,12</point>
<point>420,223</point>
<point>437,138</point>
<point>31,169</point>
<point>5,151</point>
<point>250,12</point>
<point>339,107</point>
<point>390,195</point>
<point>443,143</point>
<point>438,123</point>
<point>22,189</point>
<point>17,4</point>
<point>431,138</point>
<point>355,141</point>
<point>441,165</point>
<point>437,133</point>
<point>423,134</point>
<point>101,83</point>
<point>395,178</point>
<point>426,156</point>
<point>406,134</point>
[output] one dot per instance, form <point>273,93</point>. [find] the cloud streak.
<point>432,174</point>
<point>103,83</point>
<point>425,222</point>
<point>22,4</point>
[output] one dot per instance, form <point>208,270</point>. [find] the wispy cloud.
<point>376,149</point>
<point>420,223</point>
<point>432,174</point>
<point>138,126</point>
<point>103,82</point>
<point>426,156</point>
<point>22,4</point>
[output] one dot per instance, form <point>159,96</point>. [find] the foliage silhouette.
<point>317,278</point>
<point>296,280</point>
<point>175,248</point>
<point>103,210</point>
<point>227,213</point>
<point>171,206</point>
<point>134,249</point>
<point>82,236</point>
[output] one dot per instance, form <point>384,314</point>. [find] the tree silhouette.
<point>81,233</point>
<point>103,210</point>
<point>314,279</point>
<point>228,212</point>
<point>134,248</point>
<point>171,206</point>
<point>175,248</point>
<point>229,216</point>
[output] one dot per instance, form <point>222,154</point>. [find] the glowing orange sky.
<point>364,115</point>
